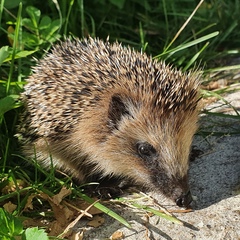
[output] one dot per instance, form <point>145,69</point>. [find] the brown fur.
<point>89,103</point>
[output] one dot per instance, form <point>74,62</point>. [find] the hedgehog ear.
<point>117,109</point>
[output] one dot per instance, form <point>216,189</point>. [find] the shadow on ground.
<point>215,175</point>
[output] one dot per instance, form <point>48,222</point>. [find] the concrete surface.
<point>215,184</point>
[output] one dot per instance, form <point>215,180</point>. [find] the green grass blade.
<point>105,210</point>
<point>195,57</point>
<point>158,213</point>
<point>226,68</point>
<point>59,14</point>
<point>81,5</point>
<point>1,11</point>
<point>15,41</point>
<point>67,18</point>
<point>187,45</point>
<point>205,92</point>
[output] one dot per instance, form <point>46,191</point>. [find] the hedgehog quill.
<point>101,109</point>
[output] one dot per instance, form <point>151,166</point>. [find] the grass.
<point>174,31</point>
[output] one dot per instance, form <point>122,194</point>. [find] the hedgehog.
<point>98,109</point>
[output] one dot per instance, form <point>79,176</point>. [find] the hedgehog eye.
<point>146,150</point>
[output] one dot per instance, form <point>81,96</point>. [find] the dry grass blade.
<point>73,223</point>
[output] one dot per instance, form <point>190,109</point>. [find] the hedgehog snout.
<point>184,200</point>
<point>181,193</point>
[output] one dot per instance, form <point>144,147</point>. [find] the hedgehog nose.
<point>184,200</point>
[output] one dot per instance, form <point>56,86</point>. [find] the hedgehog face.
<point>155,149</point>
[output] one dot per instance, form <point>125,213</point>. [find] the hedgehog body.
<point>92,107</point>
